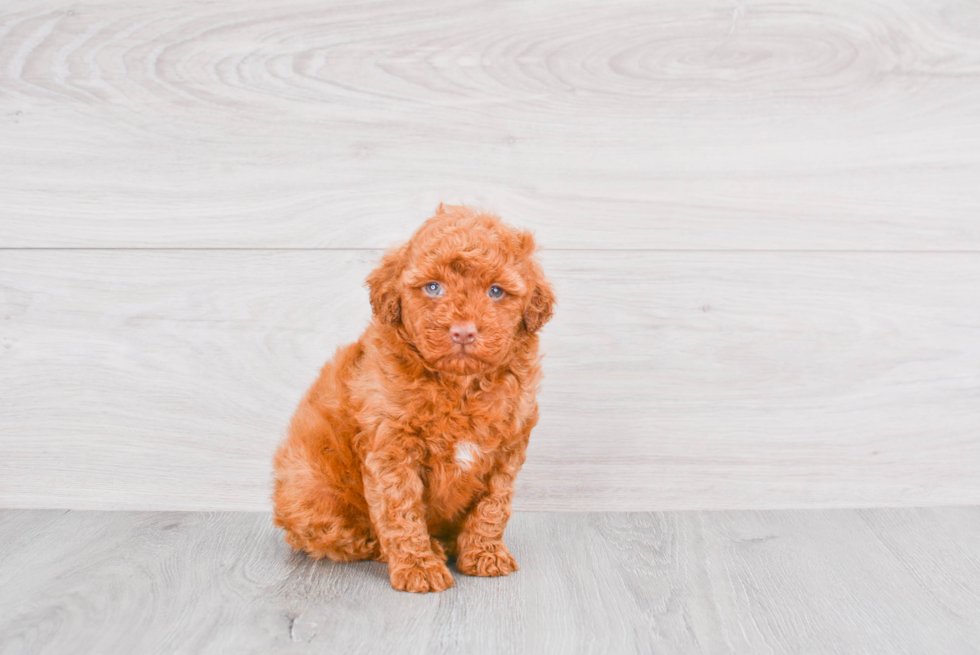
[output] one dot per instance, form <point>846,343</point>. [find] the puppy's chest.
<point>466,438</point>
<point>457,463</point>
<point>463,443</point>
<point>463,440</point>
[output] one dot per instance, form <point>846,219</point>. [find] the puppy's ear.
<point>540,307</point>
<point>541,301</point>
<point>383,284</point>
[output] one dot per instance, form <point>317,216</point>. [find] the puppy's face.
<point>464,289</point>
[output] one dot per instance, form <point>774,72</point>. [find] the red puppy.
<point>406,447</point>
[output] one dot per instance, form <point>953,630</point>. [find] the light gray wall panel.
<point>192,192</point>
<point>164,379</point>
<point>665,125</point>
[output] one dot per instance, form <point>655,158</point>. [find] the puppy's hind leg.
<point>318,497</point>
<point>323,539</point>
<point>320,524</point>
<point>324,529</point>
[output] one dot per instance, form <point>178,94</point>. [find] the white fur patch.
<point>466,454</point>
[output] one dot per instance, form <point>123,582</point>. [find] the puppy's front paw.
<point>487,559</point>
<point>429,574</point>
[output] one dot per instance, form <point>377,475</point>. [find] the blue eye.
<point>495,292</point>
<point>432,289</point>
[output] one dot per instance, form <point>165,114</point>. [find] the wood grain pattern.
<point>762,219</point>
<point>680,125</point>
<point>164,380</point>
<point>868,581</point>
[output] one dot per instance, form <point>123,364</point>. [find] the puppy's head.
<point>465,290</point>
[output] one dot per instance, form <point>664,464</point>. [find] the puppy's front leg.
<point>393,490</point>
<point>480,544</point>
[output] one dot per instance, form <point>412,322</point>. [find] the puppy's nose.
<point>463,333</point>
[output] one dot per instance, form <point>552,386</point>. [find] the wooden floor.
<point>816,581</point>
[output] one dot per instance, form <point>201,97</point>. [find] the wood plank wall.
<point>763,221</point>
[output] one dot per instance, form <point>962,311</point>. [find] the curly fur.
<point>406,448</point>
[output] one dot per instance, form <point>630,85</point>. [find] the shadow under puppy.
<point>406,447</point>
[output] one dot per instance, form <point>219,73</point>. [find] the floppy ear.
<point>383,284</point>
<point>540,303</point>
<point>540,307</point>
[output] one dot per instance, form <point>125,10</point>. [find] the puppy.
<point>406,447</point>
